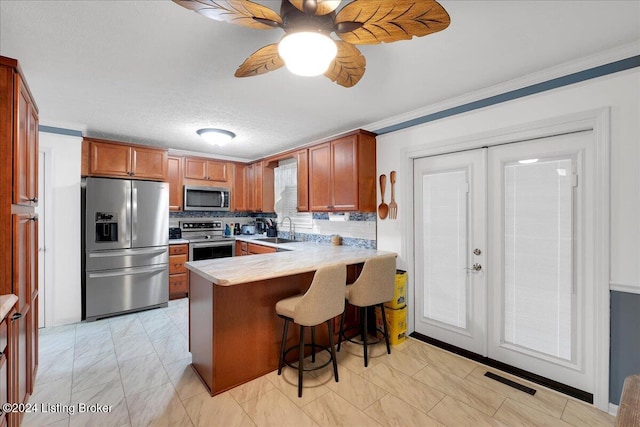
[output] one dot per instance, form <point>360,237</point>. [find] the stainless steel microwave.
<point>206,198</point>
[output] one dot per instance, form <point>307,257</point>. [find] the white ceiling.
<point>153,72</point>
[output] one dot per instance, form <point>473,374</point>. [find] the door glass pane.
<point>445,247</point>
<point>538,266</point>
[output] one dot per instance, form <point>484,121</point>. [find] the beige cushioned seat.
<point>287,307</point>
<point>375,283</point>
<point>373,287</point>
<point>323,301</point>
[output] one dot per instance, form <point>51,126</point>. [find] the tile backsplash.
<point>355,228</point>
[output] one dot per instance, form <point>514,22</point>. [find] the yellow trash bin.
<point>396,323</point>
<point>400,291</point>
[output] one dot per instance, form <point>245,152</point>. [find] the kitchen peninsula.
<point>234,332</point>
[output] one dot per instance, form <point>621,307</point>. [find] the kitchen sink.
<point>276,240</point>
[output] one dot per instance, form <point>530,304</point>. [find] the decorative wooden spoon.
<point>383,209</point>
<point>393,206</point>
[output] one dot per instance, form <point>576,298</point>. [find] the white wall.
<point>620,92</point>
<point>62,299</point>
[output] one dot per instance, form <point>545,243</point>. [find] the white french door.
<point>449,248</point>
<point>529,218</point>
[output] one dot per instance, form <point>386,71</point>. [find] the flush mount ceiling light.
<point>216,136</point>
<point>359,22</point>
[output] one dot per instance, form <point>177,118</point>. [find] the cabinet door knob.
<point>16,316</point>
<point>34,218</point>
<point>34,200</point>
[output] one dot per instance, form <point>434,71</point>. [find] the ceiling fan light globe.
<point>307,53</point>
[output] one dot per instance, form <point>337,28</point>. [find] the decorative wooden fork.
<point>393,206</point>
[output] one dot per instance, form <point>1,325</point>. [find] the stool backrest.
<point>324,299</point>
<point>376,282</point>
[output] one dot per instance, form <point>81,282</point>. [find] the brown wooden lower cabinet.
<point>178,277</point>
<point>7,346</point>
<point>253,249</point>
<point>247,248</point>
<point>178,285</point>
<point>10,389</point>
<point>239,333</point>
<point>241,248</point>
<point>32,345</point>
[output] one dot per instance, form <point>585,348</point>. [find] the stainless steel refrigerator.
<point>126,252</point>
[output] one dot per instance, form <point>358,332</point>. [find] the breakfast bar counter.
<point>234,332</point>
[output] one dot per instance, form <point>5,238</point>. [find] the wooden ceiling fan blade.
<point>260,62</point>
<point>389,21</point>
<point>239,12</point>
<point>316,7</point>
<point>348,67</point>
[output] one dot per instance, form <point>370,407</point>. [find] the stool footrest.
<point>353,339</point>
<point>304,368</point>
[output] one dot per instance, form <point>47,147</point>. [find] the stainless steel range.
<point>207,240</point>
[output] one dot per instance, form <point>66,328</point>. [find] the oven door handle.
<point>210,244</point>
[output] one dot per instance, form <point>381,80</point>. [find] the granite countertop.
<point>246,237</point>
<point>178,241</point>
<point>298,257</point>
<point>6,302</point>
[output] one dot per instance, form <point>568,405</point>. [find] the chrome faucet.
<point>292,227</point>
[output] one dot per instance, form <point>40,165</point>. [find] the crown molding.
<point>175,152</point>
<point>561,70</point>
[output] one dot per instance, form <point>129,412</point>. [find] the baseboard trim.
<point>554,385</point>
<point>613,409</point>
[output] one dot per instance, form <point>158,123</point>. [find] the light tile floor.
<point>139,365</point>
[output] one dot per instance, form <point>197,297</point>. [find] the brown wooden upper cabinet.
<point>174,177</point>
<point>258,187</point>
<point>239,188</point>
<point>25,147</point>
<point>113,159</point>
<point>302,158</point>
<point>342,174</point>
<point>205,170</point>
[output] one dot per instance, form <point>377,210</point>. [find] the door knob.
<point>477,251</point>
<point>474,267</point>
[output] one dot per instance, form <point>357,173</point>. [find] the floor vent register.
<point>510,383</point>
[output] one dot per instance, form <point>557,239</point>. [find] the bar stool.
<point>323,301</point>
<point>373,287</point>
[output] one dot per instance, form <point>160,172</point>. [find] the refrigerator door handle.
<point>127,252</point>
<point>134,215</point>
<point>128,272</point>
<point>125,221</point>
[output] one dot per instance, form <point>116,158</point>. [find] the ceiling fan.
<point>307,48</point>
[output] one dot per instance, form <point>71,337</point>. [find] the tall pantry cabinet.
<point>19,226</point>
